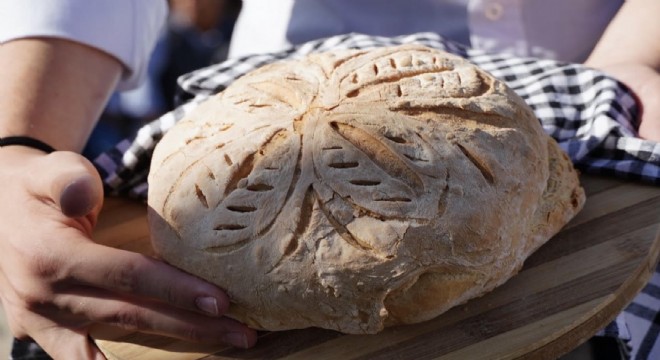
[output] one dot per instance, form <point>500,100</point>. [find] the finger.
<point>127,272</point>
<point>155,318</point>
<point>71,182</point>
<point>79,190</point>
<point>79,195</point>
<point>63,343</point>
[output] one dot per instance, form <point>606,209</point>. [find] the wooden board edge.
<point>624,296</point>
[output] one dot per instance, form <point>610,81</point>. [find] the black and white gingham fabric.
<point>591,115</point>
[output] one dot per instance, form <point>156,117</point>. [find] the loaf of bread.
<point>355,190</point>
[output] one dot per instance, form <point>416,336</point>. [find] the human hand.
<point>644,82</point>
<point>55,281</point>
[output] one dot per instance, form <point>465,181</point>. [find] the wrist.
<point>12,156</point>
<point>26,141</point>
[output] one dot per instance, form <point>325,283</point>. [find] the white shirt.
<point>125,29</point>
<point>557,29</point>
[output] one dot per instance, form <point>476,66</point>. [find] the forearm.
<point>632,37</point>
<point>54,90</point>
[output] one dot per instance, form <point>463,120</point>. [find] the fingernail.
<point>236,339</point>
<point>208,305</point>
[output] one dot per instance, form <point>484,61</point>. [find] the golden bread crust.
<point>358,189</point>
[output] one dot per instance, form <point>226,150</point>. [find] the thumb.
<point>73,184</point>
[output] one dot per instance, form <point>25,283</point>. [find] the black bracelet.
<point>26,141</point>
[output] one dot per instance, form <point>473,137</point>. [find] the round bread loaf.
<point>355,190</point>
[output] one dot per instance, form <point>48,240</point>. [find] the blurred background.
<point>197,34</point>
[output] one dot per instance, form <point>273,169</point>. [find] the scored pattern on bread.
<point>358,189</point>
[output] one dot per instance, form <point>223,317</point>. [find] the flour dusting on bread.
<point>356,190</point>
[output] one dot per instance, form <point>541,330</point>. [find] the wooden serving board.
<point>568,290</point>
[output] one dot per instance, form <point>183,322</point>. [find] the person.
<point>55,281</point>
<point>618,37</point>
<point>60,60</point>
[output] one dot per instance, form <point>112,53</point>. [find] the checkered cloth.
<point>591,115</point>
